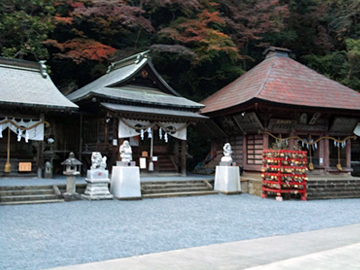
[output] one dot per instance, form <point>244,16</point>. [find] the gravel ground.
<point>43,236</point>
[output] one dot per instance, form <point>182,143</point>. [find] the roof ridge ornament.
<point>276,51</point>
<point>134,59</point>
<point>43,68</point>
<point>110,68</point>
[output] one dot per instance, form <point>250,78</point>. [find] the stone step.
<point>178,194</point>
<point>334,186</point>
<point>19,192</point>
<point>333,189</point>
<point>334,193</point>
<point>174,190</point>
<point>28,197</point>
<point>172,184</point>
<point>25,187</point>
<point>330,197</point>
<point>31,202</point>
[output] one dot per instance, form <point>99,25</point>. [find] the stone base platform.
<point>97,187</point>
<point>227,179</point>
<point>125,183</point>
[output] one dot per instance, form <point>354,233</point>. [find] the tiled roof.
<point>25,83</point>
<point>281,79</point>
<point>114,86</point>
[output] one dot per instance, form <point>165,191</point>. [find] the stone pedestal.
<point>125,163</point>
<point>97,187</point>
<point>125,182</point>
<point>227,179</point>
<point>70,193</point>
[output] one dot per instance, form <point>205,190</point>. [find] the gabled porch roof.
<point>118,85</point>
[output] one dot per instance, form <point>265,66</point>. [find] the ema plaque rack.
<point>284,172</point>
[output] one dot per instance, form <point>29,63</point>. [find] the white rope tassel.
<point>26,136</point>
<point>166,137</point>
<point>149,133</point>
<point>19,135</point>
<point>160,133</point>
<point>1,131</point>
<point>141,134</point>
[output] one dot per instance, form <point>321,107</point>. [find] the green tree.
<point>24,25</point>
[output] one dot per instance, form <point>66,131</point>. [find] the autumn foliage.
<point>79,50</point>
<point>198,46</point>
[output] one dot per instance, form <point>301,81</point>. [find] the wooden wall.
<point>236,143</point>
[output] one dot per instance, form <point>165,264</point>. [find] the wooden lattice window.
<point>254,148</point>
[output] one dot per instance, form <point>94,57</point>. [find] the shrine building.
<point>132,102</point>
<point>282,104</point>
<point>31,107</point>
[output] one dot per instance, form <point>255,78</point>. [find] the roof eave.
<point>97,95</point>
<point>39,106</point>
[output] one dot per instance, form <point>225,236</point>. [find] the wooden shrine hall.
<point>30,106</point>
<point>132,102</point>
<point>282,104</point>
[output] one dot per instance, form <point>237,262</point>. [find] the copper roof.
<point>282,80</point>
<point>26,83</point>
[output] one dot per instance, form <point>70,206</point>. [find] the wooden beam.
<point>183,157</point>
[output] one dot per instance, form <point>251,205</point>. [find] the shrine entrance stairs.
<point>29,195</point>
<point>176,188</point>
<point>333,187</point>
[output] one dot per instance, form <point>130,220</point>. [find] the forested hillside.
<point>198,46</point>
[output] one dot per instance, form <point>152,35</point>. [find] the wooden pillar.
<point>244,150</point>
<point>40,153</point>
<point>292,142</point>
<point>176,151</point>
<point>115,143</point>
<point>348,153</point>
<point>321,153</point>
<point>326,155</point>
<point>81,138</point>
<point>183,157</point>
<point>106,129</point>
<point>213,149</point>
<point>265,141</point>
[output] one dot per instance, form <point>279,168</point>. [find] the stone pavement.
<point>332,248</point>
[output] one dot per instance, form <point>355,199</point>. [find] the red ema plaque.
<point>99,173</point>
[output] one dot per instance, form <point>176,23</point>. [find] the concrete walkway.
<point>333,248</point>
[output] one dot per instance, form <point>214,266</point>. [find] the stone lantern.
<point>71,170</point>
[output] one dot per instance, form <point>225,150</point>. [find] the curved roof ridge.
<point>266,78</point>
